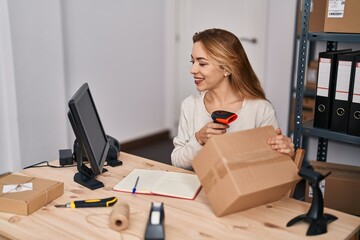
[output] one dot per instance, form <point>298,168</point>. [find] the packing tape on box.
<point>20,187</point>
<point>220,169</point>
<point>119,217</point>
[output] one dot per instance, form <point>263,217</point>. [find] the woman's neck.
<point>223,100</point>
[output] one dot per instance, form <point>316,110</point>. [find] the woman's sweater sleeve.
<point>185,144</point>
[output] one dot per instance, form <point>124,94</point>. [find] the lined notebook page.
<point>158,182</point>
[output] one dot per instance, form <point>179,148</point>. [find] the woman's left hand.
<point>282,143</point>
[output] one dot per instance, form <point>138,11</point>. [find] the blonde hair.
<point>225,48</point>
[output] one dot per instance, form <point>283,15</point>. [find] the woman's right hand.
<point>209,130</point>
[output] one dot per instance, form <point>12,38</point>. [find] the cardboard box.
<point>342,16</point>
<point>24,195</point>
<point>239,170</point>
<point>317,16</point>
<point>340,189</point>
<point>307,110</point>
<point>332,16</point>
<point>311,76</point>
<point>308,103</point>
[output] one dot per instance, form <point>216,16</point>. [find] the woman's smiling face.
<point>207,73</point>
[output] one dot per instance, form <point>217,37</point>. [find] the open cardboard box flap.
<point>240,170</point>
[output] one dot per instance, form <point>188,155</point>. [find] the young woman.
<point>225,81</point>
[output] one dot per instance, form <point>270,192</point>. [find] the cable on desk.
<point>36,165</point>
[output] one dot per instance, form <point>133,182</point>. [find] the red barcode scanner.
<point>223,117</point>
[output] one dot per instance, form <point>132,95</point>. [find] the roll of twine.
<point>119,217</point>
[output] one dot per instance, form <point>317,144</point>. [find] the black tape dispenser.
<point>155,228</point>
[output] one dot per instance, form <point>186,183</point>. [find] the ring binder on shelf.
<point>343,86</point>
<point>354,112</point>
<point>324,87</point>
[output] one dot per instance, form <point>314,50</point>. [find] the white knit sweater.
<point>252,114</point>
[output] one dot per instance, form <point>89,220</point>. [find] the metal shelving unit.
<point>306,129</point>
<point>309,130</point>
<point>336,37</point>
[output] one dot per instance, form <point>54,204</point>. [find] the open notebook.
<point>159,182</point>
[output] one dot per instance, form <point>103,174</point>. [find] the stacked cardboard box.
<point>307,110</point>
<point>317,16</point>
<point>340,189</point>
<point>337,16</point>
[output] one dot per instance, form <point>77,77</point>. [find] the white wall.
<point>39,78</point>
<point>271,56</point>
<point>9,131</point>
<point>128,52</point>
<point>118,48</point>
<point>245,18</point>
<point>56,45</point>
<point>280,45</point>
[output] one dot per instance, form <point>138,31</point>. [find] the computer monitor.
<point>91,138</point>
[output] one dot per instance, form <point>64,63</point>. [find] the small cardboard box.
<point>317,16</point>
<point>24,195</point>
<point>342,16</point>
<point>311,76</point>
<point>240,170</point>
<point>307,110</point>
<point>340,189</point>
<point>332,16</point>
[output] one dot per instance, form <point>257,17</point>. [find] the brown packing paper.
<point>119,217</point>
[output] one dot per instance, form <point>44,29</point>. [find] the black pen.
<point>134,188</point>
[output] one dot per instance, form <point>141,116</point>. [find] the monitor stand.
<point>86,181</point>
<point>85,176</point>
<point>113,162</point>
<point>112,156</point>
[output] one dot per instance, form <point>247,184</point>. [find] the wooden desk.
<point>184,219</point>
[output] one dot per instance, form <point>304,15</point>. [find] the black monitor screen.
<point>92,126</point>
<point>88,128</point>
